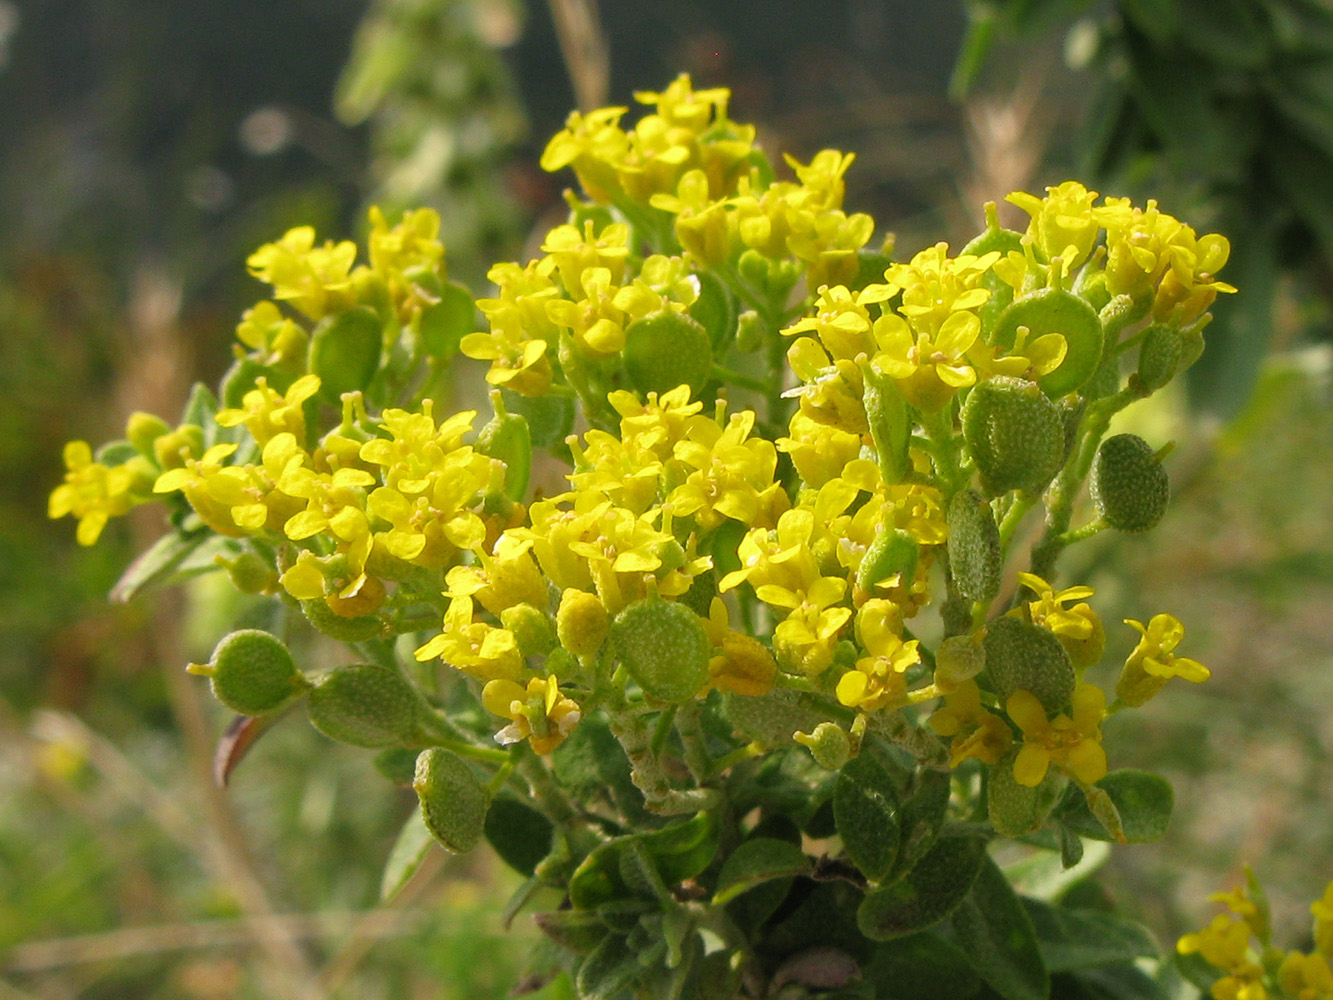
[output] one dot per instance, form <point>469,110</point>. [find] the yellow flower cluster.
<point>1238,944</point>
<point>94,492</point>
<point>581,290</point>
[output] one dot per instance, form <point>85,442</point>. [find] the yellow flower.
<point>506,577</point>
<point>1322,909</point>
<point>1070,742</point>
<point>574,252</point>
<point>1152,663</point>
<point>267,412</point>
<point>877,681</point>
<point>521,334</point>
<point>1306,977</point>
<point>831,391</point>
<point>732,473</point>
<point>1078,628</point>
<point>975,731</point>
<point>842,320</point>
<point>479,650</point>
<point>740,663</point>
<point>1063,224</point>
<point>819,451</point>
<point>311,278</point>
<point>279,340</point>
<point>94,493</point>
<point>413,243</point>
<point>538,713</point>
<point>335,508</point>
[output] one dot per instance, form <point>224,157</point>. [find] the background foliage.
<point>149,147</point>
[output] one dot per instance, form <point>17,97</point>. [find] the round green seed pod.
<point>666,350</point>
<point>1014,433</point>
<point>532,628</point>
<point>367,706</point>
<point>252,673</point>
<point>1021,656</point>
<point>892,551</point>
<point>1016,810</point>
<point>975,558</point>
<point>336,626</point>
<point>345,351</point>
<point>445,323</point>
<point>993,238</point>
<point>1129,486</point>
<point>664,647</point>
<point>1159,356</point>
<point>1054,310</point>
<point>453,803</point>
<point>715,310</point>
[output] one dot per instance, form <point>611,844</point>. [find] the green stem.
<point>554,803</point>
<point>630,729</point>
<point>690,727</point>
<point>738,379</point>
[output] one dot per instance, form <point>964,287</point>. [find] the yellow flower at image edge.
<point>92,492</point>
<point>538,713</point>
<point>1153,662</point>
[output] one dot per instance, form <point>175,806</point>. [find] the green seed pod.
<point>532,629</point>
<point>1054,310</point>
<point>1021,656</point>
<point>444,323</point>
<point>829,744</point>
<point>664,647</point>
<point>666,350</point>
<point>506,437</point>
<point>993,238</point>
<point>890,424</point>
<point>893,551</point>
<point>345,351</point>
<point>975,558</point>
<point>336,626</point>
<point>171,449</point>
<point>550,418</point>
<point>253,673</point>
<point>453,803</point>
<point>1159,356</point>
<point>249,573</point>
<point>1016,810</point>
<point>1014,433</point>
<point>367,706</point>
<point>715,311</point>
<point>1130,488</point>
<point>958,660</point>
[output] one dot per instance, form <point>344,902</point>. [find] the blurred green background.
<point>149,146</point>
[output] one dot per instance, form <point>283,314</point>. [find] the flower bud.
<point>1026,657</point>
<point>365,705</point>
<point>829,745</point>
<point>345,351</point>
<point>171,449</point>
<point>252,673</point>
<point>1130,488</point>
<point>751,331</point>
<point>143,430</point>
<point>665,350</point>
<point>1054,310</point>
<point>975,559</point>
<point>664,647</point>
<point>893,552</point>
<point>958,660</point>
<point>453,803</point>
<point>249,573</point>
<point>531,627</point>
<point>1014,434</point>
<point>581,623</point>
<point>1016,809</point>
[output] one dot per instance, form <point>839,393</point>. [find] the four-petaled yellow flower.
<point>538,713</point>
<point>1152,663</point>
<point>94,493</point>
<point>1070,742</point>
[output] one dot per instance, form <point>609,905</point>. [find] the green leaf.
<point>640,874</point>
<point>578,930</point>
<point>921,817</point>
<point>997,937</point>
<point>612,967</point>
<point>925,895</point>
<point>520,834</point>
<point>597,879</point>
<point>1143,800</point>
<point>1081,939</point>
<point>865,800</point>
<point>756,861</point>
<point>408,852</point>
<point>683,850</point>
<point>168,560</point>
<point>921,966</point>
<point>1117,982</point>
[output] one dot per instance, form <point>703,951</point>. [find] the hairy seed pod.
<point>975,559</point>
<point>367,706</point>
<point>252,673</point>
<point>453,803</point>
<point>345,351</point>
<point>1021,656</point>
<point>1130,488</point>
<point>1054,310</point>
<point>666,350</point>
<point>1014,433</point>
<point>664,647</point>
